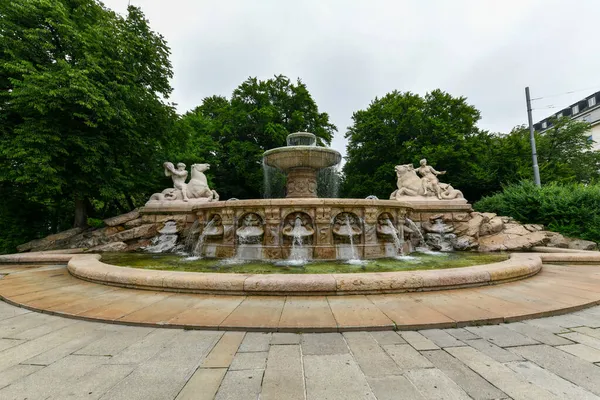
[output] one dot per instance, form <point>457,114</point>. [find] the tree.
<point>402,128</point>
<point>82,111</point>
<point>258,117</point>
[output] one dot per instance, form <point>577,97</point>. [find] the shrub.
<point>570,209</point>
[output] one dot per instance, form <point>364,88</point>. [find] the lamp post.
<point>536,169</point>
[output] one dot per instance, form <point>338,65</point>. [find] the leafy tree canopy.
<point>83,118</point>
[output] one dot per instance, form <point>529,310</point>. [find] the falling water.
<point>440,229</point>
<point>273,182</point>
<point>166,240</point>
<point>189,239</point>
<point>297,252</point>
<point>328,182</point>
<point>418,231</point>
<point>197,252</point>
<point>398,241</point>
<point>354,258</point>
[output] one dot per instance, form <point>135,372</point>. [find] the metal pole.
<point>536,169</point>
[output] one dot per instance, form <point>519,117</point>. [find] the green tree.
<point>83,118</point>
<point>402,128</point>
<point>258,117</point>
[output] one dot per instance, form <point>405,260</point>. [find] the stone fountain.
<point>303,225</point>
<point>301,159</point>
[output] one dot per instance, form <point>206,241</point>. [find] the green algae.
<point>416,261</point>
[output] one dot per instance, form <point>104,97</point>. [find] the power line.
<point>565,93</point>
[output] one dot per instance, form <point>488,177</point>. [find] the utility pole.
<point>536,169</point>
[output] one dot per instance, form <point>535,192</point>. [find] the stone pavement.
<point>557,289</point>
<point>49,357</point>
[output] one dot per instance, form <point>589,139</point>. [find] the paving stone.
<point>583,339</point>
<point>164,375</point>
<point>95,383</point>
<point>251,360</point>
<point>203,385</point>
<point>323,343</point>
<point>16,372</point>
<point>43,329</point>
<point>371,358</point>
<point>490,349</point>
<point>285,338</point>
<point>146,347</point>
<point>11,327</point>
<point>499,375</point>
<point>582,351</point>
<point>335,377</point>
<point>441,338</point>
<point>387,337</point>
<point>565,365</point>
<point>255,341</point>
<point>284,378</point>
<point>240,385</point>
<point>391,386</point>
<point>475,386</point>
<point>407,357</point>
<point>418,341</point>
<point>114,342</point>
<point>461,334</point>
<point>8,311</point>
<point>501,336</point>
<point>49,380</point>
<point>562,388</point>
<point>537,333</point>
<point>434,384</point>
<point>586,330</point>
<point>222,354</point>
<point>548,325</point>
<point>65,349</point>
<point>8,343</point>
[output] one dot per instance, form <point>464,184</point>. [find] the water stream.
<point>197,252</point>
<point>166,240</point>
<point>398,240</point>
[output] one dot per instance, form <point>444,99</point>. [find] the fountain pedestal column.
<point>301,182</point>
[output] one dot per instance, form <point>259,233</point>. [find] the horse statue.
<point>409,184</point>
<point>195,190</point>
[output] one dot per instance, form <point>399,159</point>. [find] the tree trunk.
<point>80,214</point>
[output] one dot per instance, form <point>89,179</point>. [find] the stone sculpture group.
<point>195,190</point>
<point>428,185</point>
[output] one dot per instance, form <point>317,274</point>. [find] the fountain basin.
<point>519,266</point>
<point>313,157</point>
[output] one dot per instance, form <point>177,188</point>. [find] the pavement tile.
<point>583,339</point>
<point>255,312</point>
<point>208,311</point>
<point>354,311</point>
<point>502,377</point>
<point>144,347</point>
<point>222,354</point>
<point>406,357</point>
<point>240,385</point>
<point>285,338</point>
<point>252,360</point>
<point>17,372</point>
<point>391,386</point>
<point>323,343</point>
<point>441,338</point>
<point>501,336</point>
<point>335,377</point>
<point>302,312</point>
<point>560,387</point>
<point>371,358</point>
<point>567,366</point>
<point>203,385</point>
<point>418,341</point>
<point>461,334</point>
<point>475,386</point>
<point>586,330</point>
<point>255,341</point>
<point>434,384</point>
<point>537,333</point>
<point>387,337</point>
<point>582,351</point>
<point>407,313</point>
<point>493,351</point>
<point>95,383</point>
<point>284,377</point>
<point>114,342</point>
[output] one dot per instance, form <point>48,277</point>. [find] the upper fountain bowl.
<point>302,152</point>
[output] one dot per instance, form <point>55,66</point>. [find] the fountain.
<point>303,226</point>
<point>301,159</point>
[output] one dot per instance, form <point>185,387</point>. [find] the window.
<point>558,115</point>
<point>544,125</point>
<point>590,139</point>
<point>575,109</point>
<point>592,101</point>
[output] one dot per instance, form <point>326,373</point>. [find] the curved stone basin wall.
<point>342,228</point>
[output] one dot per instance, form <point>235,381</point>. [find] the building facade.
<point>587,109</point>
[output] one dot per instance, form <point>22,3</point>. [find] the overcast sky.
<point>348,52</point>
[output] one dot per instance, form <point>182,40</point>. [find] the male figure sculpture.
<point>430,180</point>
<point>179,176</point>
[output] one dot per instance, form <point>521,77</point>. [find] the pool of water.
<point>416,261</point>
